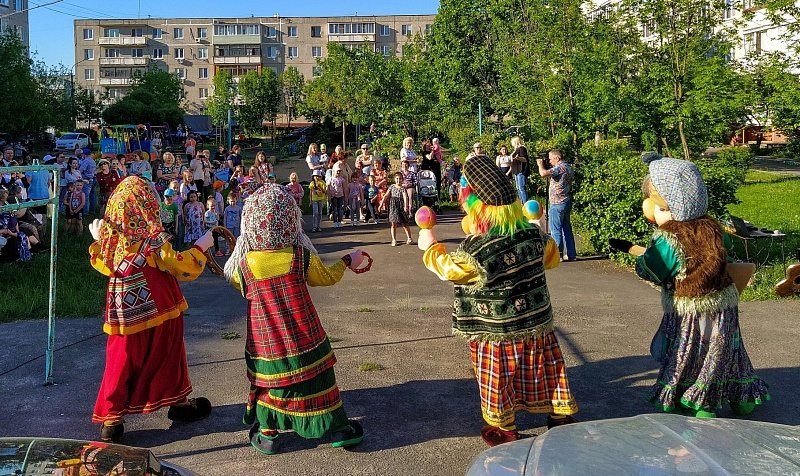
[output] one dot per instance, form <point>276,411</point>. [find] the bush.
<point>724,174</point>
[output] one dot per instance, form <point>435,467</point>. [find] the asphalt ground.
<point>421,410</point>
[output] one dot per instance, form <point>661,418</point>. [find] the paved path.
<point>421,412</point>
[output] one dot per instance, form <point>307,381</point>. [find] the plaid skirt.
<point>521,374</point>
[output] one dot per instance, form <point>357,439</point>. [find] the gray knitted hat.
<point>680,184</point>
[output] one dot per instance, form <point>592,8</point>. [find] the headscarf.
<point>680,184</point>
<point>271,220</point>
<point>132,215</point>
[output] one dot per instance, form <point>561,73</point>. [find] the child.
<point>193,218</point>
<point>74,202</point>
<point>337,188</point>
<point>397,210</point>
<point>180,227</point>
<point>319,196</point>
<point>295,188</point>
<point>210,220</point>
<point>233,216</point>
<point>355,198</point>
<point>187,185</point>
<point>288,355</point>
<point>219,201</point>
<point>169,213</point>
<point>372,199</point>
<point>409,187</point>
<point>453,192</point>
<point>146,365</point>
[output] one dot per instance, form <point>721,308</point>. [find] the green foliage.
<point>259,96</point>
<point>723,175</point>
<point>222,99</point>
<point>292,84</point>
<point>154,98</point>
<point>608,194</point>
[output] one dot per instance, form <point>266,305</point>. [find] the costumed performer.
<point>288,355</point>
<point>146,367</point>
<point>704,363</point>
<point>502,304</point>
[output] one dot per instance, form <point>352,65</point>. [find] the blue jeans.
<point>561,228</point>
<point>521,184</point>
<point>91,199</point>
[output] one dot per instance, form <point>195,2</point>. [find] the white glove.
<point>205,242</point>
<point>426,238</point>
<point>94,228</point>
<point>356,258</point>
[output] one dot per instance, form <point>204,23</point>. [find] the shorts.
<point>74,216</point>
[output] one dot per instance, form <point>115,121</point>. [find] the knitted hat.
<point>487,182</point>
<point>680,184</point>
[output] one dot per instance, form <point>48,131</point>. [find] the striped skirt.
<point>311,408</point>
<point>521,374</point>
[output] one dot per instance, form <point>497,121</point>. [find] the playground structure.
<point>129,140</point>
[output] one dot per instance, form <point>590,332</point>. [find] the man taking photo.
<point>560,196</point>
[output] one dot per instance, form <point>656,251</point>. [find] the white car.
<point>73,140</point>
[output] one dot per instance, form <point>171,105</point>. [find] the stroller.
<point>427,190</point>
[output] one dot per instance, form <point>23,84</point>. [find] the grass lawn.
<point>772,201</point>
<point>80,290</point>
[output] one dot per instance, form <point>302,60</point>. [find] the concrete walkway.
<point>421,412</point>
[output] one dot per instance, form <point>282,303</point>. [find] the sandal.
<point>262,443</point>
<point>394,242</point>
<point>351,436</point>
<point>194,409</point>
<point>493,436</point>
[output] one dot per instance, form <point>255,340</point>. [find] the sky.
<point>51,27</point>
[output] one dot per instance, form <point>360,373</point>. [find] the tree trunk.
<point>344,135</point>
<point>684,144</point>
<point>666,146</point>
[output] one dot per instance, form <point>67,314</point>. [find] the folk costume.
<point>502,304</point>
<point>288,355</point>
<point>146,367</point>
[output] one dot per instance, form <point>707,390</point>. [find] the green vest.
<point>510,299</point>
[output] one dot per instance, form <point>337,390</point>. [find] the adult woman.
<point>234,159</point>
<point>338,154</point>
<point>73,173</point>
<point>107,181</point>
<point>520,167</point>
<point>365,159</point>
<point>407,154</point>
<point>264,166</point>
<point>313,158</point>
<point>198,174</point>
<point>168,171</point>
<point>503,161</point>
<point>157,143</point>
<point>430,162</point>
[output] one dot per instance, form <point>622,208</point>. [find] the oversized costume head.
<point>489,199</point>
<point>132,215</point>
<point>674,190</point>
<point>271,220</point>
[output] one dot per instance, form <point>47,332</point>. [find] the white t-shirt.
<point>197,169</point>
<point>408,155</point>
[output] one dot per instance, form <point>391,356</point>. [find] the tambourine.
<point>229,239</point>
<point>790,285</point>
<point>365,268</point>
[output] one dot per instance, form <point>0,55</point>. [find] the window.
<point>405,30</point>
<point>752,42</point>
<point>136,32</point>
<point>748,4</point>
<point>387,50</point>
<point>316,71</point>
<point>270,32</point>
<point>202,53</point>
<point>111,32</point>
<point>112,53</point>
<point>292,52</point>
<point>158,53</point>
<point>4,3</point>
<point>272,52</point>
<point>88,54</point>
<point>114,93</point>
<point>428,28</point>
<point>316,32</point>
<point>19,5</point>
<point>291,32</point>
<point>348,28</point>
<point>202,32</point>
<point>649,28</point>
<point>203,93</point>
<point>177,33</point>
<point>385,30</point>
<point>179,53</point>
<point>236,29</point>
<point>157,32</point>
<point>202,73</point>
<point>20,31</point>
<point>88,74</point>
<point>88,34</point>
<point>137,53</point>
<point>180,73</point>
<point>727,12</point>
<point>316,51</point>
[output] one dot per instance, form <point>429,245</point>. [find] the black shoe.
<point>197,409</point>
<point>112,433</point>
<point>553,422</point>
<point>351,436</point>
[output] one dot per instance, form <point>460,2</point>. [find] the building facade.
<point>109,53</point>
<point>14,16</point>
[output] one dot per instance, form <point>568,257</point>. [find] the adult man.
<point>560,194</point>
<point>88,170</point>
<point>6,161</point>
<point>477,150</point>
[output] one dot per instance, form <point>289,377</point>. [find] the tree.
<point>18,88</point>
<point>222,100</point>
<point>292,83</point>
<point>166,87</point>
<point>154,98</point>
<point>88,106</point>
<point>259,97</point>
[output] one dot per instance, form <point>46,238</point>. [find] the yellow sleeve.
<point>321,275</point>
<point>449,267</point>
<point>235,280</point>
<point>94,259</point>
<point>184,265</point>
<point>552,257</point>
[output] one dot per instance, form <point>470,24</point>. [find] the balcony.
<point>237,39</point>
<point>115,81</point>
<point>237,60</point>
<point>352,38</point>
<point>123,61</point>
<point>123,40</point>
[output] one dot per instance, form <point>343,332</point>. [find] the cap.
<point>169,193</point>
<point>271,175</point>
<point>476,145</point>
<point>218,184</point>
<point>489,184</point>
<point>317,173</point>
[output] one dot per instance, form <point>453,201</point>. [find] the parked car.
<point>59,456</point>
<point>73,140</point>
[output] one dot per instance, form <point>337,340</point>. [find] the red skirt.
<point>144,371</point>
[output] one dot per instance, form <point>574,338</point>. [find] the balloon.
<point>532,210</point>
<point>425,218</point>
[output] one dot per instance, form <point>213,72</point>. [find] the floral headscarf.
<point>271,220</point>
<point>132,215</point>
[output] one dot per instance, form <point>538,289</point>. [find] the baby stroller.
<point>427,190</point>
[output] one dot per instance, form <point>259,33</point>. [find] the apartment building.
<point>109,53</point>
<point>14,16</point>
